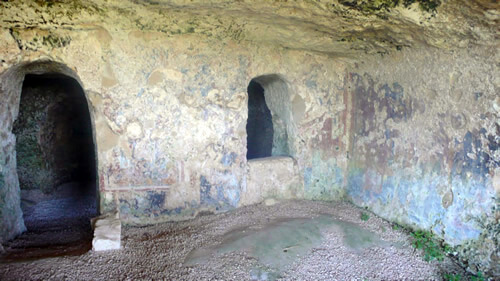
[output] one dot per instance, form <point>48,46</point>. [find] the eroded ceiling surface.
<point>341,28</point>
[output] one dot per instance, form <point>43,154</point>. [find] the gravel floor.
<point>166,251</point>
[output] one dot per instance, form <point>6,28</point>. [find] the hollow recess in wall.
<point>49,144</point>
<point>259,124</point>
<point>270,126</point>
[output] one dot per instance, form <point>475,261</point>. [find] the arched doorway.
<point>56,164</point>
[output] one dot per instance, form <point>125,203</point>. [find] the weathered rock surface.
<point>276,177</point>
<point>425,147</point>
<point>340,28</point>
<point>54,142</point>
<point>392,104</point>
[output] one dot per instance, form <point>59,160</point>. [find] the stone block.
<point>271,177</point>
<point>107,232</point>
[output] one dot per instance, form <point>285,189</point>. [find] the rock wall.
<point>169,115</point>
<point>11,81</point>
<point>426,147</point>
<point>272,177</point>
<point>54,141</point>
<point>359,105</point>
<point>32,166</point>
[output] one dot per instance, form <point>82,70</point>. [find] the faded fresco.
<point>426,148</point>
<point>393,106</point>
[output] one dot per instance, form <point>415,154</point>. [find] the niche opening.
<point>271,130</point>
<point>259,124</point>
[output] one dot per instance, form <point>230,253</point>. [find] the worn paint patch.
<point>472,160</point>
<point>228,159</point>
<point>324,179</point>
<point>221,195</point>
<point>329,138</point>
<point>405,169</point>
<point>149,206</point>
<point>418,203</point>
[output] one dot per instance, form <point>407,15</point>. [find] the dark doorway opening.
<point>56,166</point>
<point>259,124</point>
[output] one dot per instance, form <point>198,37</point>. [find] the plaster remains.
<point>164,111</point>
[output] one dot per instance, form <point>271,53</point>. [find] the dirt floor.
<point>292,240</point>
<point>57,223</point>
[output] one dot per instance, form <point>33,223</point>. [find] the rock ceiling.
<point>340,28</point>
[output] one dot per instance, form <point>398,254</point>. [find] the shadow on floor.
<point>57,224</point>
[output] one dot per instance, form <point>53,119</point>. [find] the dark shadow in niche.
<point>56,166</point>
<point>259,124</point>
